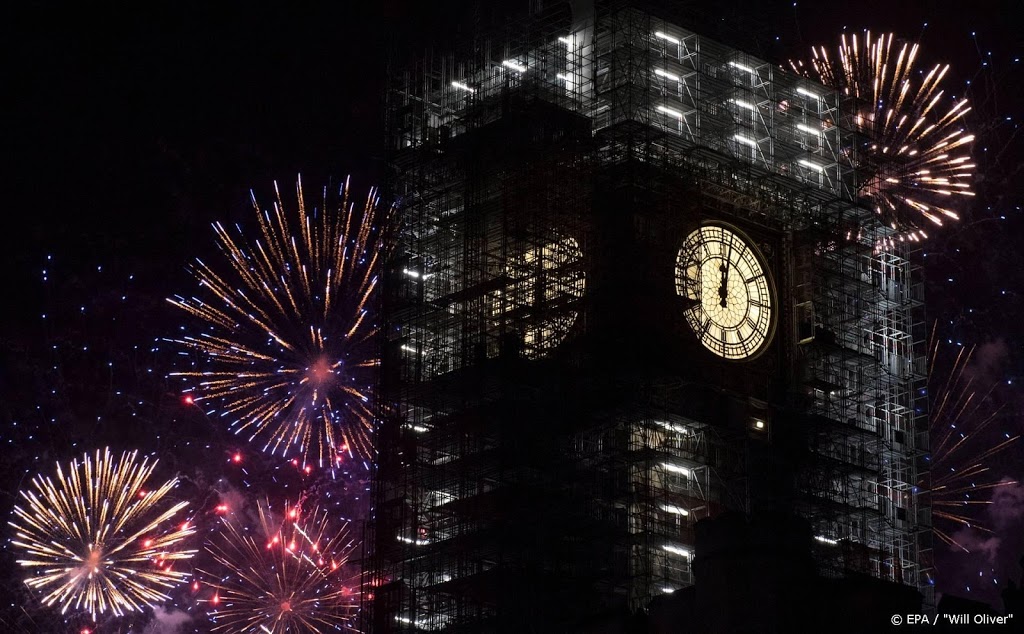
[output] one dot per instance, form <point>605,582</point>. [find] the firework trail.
<point>959,472</point>
<point>287,333</point>
<point>914,154</point>
<point>95,539</point>
<point>289,576</point>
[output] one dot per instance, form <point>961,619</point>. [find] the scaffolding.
<point>552,431</point>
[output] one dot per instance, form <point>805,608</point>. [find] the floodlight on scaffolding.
<point>665,36</point>
<point>667,590</point>
<point>562,76</point>
<point>674,468</point>
<point>745,140</point>
<point>516,66</point>
<point>679,429</point>
<point>743,67</point>
<point>808,93</point>
<point>811,165</point>
<point>670,112</point>
<point>408,348</point>
<point>744,104</point>
<point>418,624</point>
<point>826,540</point>
<point>666,74</point>
<point>566,40</point>
<point>462,86</point>
<point>675,550</point>
<point>675,510</point>
<point>809,130</point>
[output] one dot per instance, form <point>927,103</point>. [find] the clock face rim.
<point>765,272</point>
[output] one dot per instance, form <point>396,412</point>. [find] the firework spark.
<point>289,576</point>
<point>96,539</point>
<point>960,474</point>
<point>915,155</point>
<point>287,330</point>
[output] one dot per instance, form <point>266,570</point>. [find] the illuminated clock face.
<point>724,275</point>
<point>545,283</point>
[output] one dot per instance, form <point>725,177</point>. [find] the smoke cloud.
<point>167,621</point>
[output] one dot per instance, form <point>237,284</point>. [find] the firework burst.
<point>286,329</point>
<point>291,575</point>
<point>96,539</point>
<point>913,155</point>
<point>960,475</point>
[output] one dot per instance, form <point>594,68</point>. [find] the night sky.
<point>128,132</point>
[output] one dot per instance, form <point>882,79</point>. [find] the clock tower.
<point>635,289</point>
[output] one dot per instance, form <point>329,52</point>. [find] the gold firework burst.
<point>913,152</point>
<point>287,331</point>
<point>94,538</point>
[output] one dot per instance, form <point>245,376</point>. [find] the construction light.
<point>664,36</point>
<point>813,166</point>
<point>743,67</point>
<point>675,510</point>
<point>666,74</point>
<point>670,112</point>
<point>675,469</point>
<point>745,140</point>
<point>679,429</point>
<point>676,550</point>
<point>809,130</point>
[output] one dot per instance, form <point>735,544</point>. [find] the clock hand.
<point>723,290</point>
